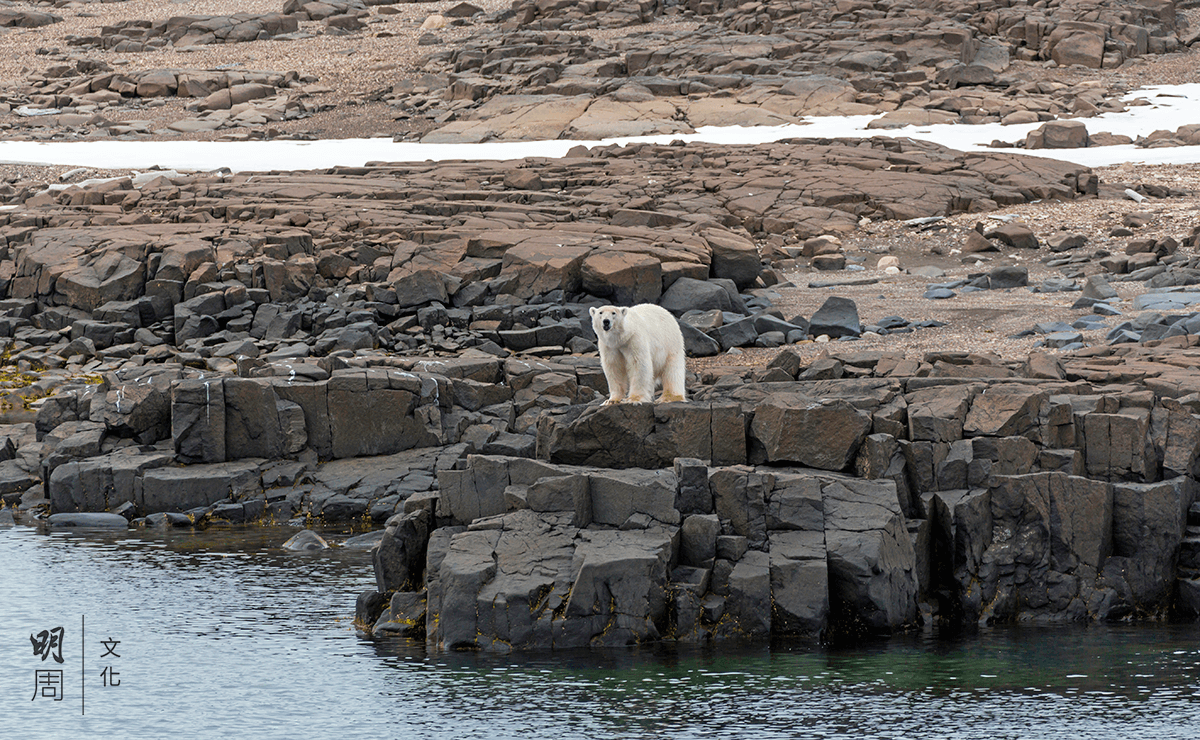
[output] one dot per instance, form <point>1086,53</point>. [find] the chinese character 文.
<point>47,684</point>
<point>48,643</point>
<point>110,648</point>
<point>108,675</point>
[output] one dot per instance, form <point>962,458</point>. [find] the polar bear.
<point>638,346</point>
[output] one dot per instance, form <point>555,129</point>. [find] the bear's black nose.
<point>606,327</point>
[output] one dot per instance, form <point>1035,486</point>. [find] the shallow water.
<point>223,634</point>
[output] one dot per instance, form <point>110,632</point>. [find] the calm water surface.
<point>222,634</point>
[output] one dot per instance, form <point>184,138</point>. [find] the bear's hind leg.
<point>673,380</point>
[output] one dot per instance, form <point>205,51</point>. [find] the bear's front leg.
<point>614,375</point>
<point>641,378</point>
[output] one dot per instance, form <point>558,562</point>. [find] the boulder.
<point>616,497</point>
<point>873,584</point>
<point>625,278</point>
<point>304,541</point>
<point>419,288</point>
<point>88,519</point>
<point>739,498</point>
<point>816,432</point>
<point>139,409</point>
<point>747,607</point>
<point>251,419</point>
<point>541,263</point>
<point>195,486</point>
<point>837,317</point>
<point>799,583</point>
<point>1037,548</point>
<point>643,435</point>
<point>112,277</point>
<point>1081,47</point>
<point>399,559</point>
<point>1058,135</point>
<point>1148,524</point>
<point>688,294</point>
<point>1016,235</point>
<point>532,582</point>
<point>1008,412</point>
<point>698,540</point>
<point>1117,446</point>
<point>733,257</point>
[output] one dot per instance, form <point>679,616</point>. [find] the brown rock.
<point>819,433</point>
<point>1080,47</point>
<point>734,257</point>
<point>1001,412</point>
<point>1014,235</point>
<point>976,242</point>
<point>1058,135</point>
<point>543,263</point>
<point>1064,241</point>
<point>626,278</point>
<point>156,84</point>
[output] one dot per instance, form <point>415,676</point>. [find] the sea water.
<point>223,634</point>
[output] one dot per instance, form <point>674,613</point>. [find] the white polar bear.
<point>638,346</point>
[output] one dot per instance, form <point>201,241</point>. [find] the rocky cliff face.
<point>956,498</point>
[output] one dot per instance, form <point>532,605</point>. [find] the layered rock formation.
<point>539,69</point>
<point>967,488</point>
<point>772,63</point>
<point>408,345</point>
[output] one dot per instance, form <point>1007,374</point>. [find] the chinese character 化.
<point>48,643</point>
<point>47,684</point>
<point>110,677</point>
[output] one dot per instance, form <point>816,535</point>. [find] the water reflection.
<point>224,632</point>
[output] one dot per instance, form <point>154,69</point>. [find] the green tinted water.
<point>223,634</point>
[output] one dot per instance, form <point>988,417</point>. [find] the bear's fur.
<point>638,346</point>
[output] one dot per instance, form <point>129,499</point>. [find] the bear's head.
<point>606,320</point>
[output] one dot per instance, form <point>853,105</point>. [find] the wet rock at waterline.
<point>88,519</point>
<point>304,541</point>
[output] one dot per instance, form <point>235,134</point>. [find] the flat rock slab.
<point>88,519</point>
<point>1164,301</point>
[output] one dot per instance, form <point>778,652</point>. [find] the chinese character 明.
<point>47,684</point>
<point>110,677</point>
<point>110,648</point>
<point>48,643</point>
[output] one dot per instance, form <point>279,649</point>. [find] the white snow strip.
<point>1170,106</point>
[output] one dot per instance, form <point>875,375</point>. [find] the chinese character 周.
<point>47,684</point>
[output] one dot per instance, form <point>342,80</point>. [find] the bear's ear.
<point>623,310</point>
<point>592,311</point>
